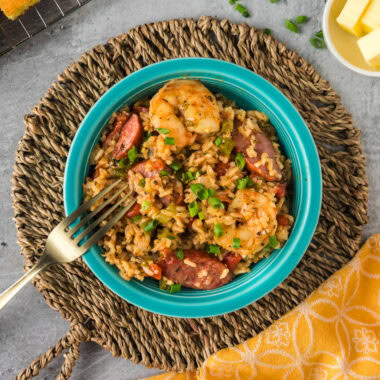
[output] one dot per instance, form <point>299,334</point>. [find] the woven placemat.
<point>98,315</point>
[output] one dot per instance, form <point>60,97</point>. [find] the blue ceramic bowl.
<point>250,91</point>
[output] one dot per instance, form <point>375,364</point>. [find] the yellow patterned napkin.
<point>333,334</point>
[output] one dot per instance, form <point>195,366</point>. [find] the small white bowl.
<point>342,44</point>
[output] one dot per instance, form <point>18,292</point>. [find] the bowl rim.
<point>332,48</point>
<point>231,299</point>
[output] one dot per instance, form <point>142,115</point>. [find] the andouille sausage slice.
<point>121,119</point>
<point>150,168</point>
<point>221,168</point>
<point>231,260</point>
<point>130,136</point>
<point>196,270</point>
<point>263,145</point>
<point>134,211</point>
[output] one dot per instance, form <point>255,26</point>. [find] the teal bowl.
<point>250,91</point>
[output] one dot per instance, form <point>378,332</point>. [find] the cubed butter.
<point>371,17</point>
<point>349,18</point>
<point>370,47</point>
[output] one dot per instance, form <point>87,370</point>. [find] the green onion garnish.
<point>273,242</point>
<point>211,192</point>
<point>164,173</point>
<point>242,183</point>
<point>145,206</point>
<point>170,237</point>
<point>174,288</point>
<point>301,19</point>
<point>136,218</point>
<point>201,215</point>
<point>164,131</point>
<point>142,182</point>
<point>239,161</point>
<point>273,1</point>
<point>179,253</point>
<point>193,209</point>
<point>216,203</point>
<point>218,230</point>
<point>132,155</point>
<point>291,26</point>
<point>267,31</point>
<point>200,191</point>
<point>213,248</point>
<point>152,225</point>
<point>236,243</point>
<point>176,166</point>
<point>233,1</point>
<point>146,137</point>
<point>122,163</point>
<point>319,34</point>
<point>218,141</point>
<point>243,10</point>
<point>169,140</point>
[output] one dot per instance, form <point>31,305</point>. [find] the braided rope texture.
<point>125,330</point>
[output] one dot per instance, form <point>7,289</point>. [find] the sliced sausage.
<point>150,168</point>
<point>231,260</point>
<point>134,211</point>
<point>281,190</point>
<point>221,169</point>
<point>196,270</point>
<point>130,136</point>
<point>263,145</point>
<point>283,220</point>
<point>121,119</point>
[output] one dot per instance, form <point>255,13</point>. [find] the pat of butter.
<point>370,47</point>
<point>349,18</point>
<point>371,17</point>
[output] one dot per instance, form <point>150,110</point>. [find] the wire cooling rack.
<point>37,18</point>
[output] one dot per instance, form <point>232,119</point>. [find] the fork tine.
<point>85,206</point>
<point>88,217</point>
<point>102,231</point>
<point>78,239</point>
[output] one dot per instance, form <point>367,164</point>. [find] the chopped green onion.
<point>242,183</point>
<point>267,31</point>
<point>132,155</point>
<point>319,34</point>
<point>164,173</point>
<point>145,206</point>
<point>164,131</point>
<point>193,209</point>
<point>216,203</point>
<point>201,215</point>
<point>176,166</point>
<point>273,242</point>
<point>211,192</point>
<point>236,243</point>
<point>174,288</point>
<point>200,191</point>
<point>233,1</point>
<point>118,172</point>
<point>218,230</point>
<point>136,218</point>
<point>142,182</point>
<point>240,161</point>
<point>146,137</point>
<point>273,1</point>
<point>188,176</point>
<point>218,141</point>
<point>227,126</point>
<point>170,237</point>
<point>152,225</point>
<point>318,43</point>
<point>243,10</point>
<point>122,163</point>
<point>291,26</point>
<point>179,253</point>
<point>301,19</point>
<point>226,147</point>
<point>169,140</point>
<point>213,248</point>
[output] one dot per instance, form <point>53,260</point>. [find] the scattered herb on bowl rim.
<point>291,26</point>
<point>267,31</point>
<point>302,19</point>
<point>242,9</point>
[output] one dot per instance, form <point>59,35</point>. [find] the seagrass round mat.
<point>98,315</point>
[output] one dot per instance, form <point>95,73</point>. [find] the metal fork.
<point>66,243</point>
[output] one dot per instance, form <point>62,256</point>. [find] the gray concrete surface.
<point>27,325</point>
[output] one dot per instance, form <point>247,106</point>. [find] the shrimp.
<point>257,215</point>
<point>185,108</point>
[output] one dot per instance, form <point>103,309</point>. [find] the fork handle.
<point>42,263</point>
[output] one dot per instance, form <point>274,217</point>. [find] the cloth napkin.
<point>333,334</point>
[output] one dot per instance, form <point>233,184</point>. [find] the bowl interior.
<point>344,43</point>
<point>250,92</point>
